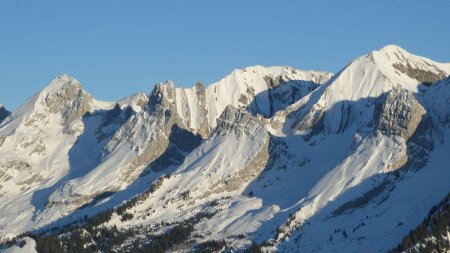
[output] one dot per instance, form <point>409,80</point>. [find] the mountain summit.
<point>3,113</point>
<point>267,158</point>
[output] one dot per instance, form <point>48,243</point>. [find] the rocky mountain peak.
<point>137,101</point>
<point>343,101</point>
<point>392,48</point>
<point>400,61</point>
<point>65,95</point>
<point>3,113</point>
<point>62,83</point>
<point>162,96</point>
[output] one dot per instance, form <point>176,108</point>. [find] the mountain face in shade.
<point>3,113</point>
<point>268,157</point>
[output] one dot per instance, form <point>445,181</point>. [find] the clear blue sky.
<point>116,48</point>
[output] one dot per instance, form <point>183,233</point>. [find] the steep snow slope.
<point>29,246</point>
<point>438,100</point>
<point>433,234</point>
<point>379,208</point>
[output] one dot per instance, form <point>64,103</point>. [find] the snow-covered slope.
<point>296,161</point>
<point>432,235</point>
<point>438,100</point>
<point>25,245</point>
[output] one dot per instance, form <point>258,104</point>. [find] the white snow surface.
<point>29,247</point>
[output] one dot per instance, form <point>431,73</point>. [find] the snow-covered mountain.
<point>290,160</point>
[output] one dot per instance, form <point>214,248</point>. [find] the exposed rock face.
<point>238,121</point>
<point>403,116</point>
<point>426,77</point>
<point>375,193</point>
<point>111,120</point>
<point>14,165</point>
<point>423,70</point>
<point>70,100</point>
<point>257,89</point>
<point>181,141</point>
<point>283,91</point>
<point>149,133</point>
<point>145,134</point>
<point>312,122</point>
<point>61,105</point>
<point>17,176</point>
<point>162,96</point>
<point>137,102</point>
<point>420,145</point>
<point>167,96</point>
<point>273,82</point>
<point>200,92</point>
<point>3,113</point>
<point>400,114</point>
<point>111,115</point>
